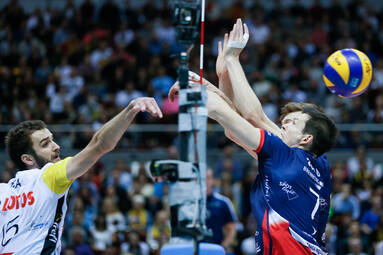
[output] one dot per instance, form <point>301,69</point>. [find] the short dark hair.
<point>18,140</point>
<point>320,126</point>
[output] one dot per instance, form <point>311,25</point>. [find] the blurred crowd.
<point>82,64</point>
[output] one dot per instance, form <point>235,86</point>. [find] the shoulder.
<point>226,205</point>
<point>26,176</point>
<point>271,144</point>
<point>223,200</point>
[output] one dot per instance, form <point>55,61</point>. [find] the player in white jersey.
<point>33,203</point>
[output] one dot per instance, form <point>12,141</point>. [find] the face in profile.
<point>292,128</point>
<point>45,150</point>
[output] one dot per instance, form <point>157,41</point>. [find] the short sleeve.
<point>229,214</point>
<point>271,146</point>
<point>55,177</point>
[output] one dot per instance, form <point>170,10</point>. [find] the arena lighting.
<point>187,176</point>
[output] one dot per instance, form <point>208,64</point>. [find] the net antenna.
<point>187,176</point>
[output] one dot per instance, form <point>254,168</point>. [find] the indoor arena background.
<point>74,64</point>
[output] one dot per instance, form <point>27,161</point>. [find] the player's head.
<point>306,125</point>
<point>30,144</point>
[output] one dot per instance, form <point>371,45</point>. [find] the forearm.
<point>225,86</point>
<point>111,132</point>
<point>103,141</point>
<point>244,98</point>
<point>230,233</point>
<point>246,135</point>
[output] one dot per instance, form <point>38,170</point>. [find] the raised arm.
<point>224,82</point>
<point>244,98</point>
<point>107,137</point>
<point>249,137</point>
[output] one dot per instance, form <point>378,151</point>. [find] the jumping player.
<point>291,195</point>
<point>33,203</point>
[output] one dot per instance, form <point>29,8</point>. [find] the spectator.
<point>110,15</point>
<point>346,202</point>
<point>138,217</point>
<point>101,236</point>
<point>159,233</point>
<point>115,220</point>
<point>371,218</point>
<point>78,242</point>
<point>123,97</point>
<point>360,159</point>
<point>221,217</point>
<point>134,245</point>
<point>228,163</point>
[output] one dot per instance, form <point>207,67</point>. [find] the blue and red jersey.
<point>290,199</point>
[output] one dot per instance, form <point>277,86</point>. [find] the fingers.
<point>193,76</point>
<point>237,32</point>
<point>154,109</point>
<point>240,28</point>
<point>226,39</point>
<point>231,36</point>
<point>147,104</point>
<point>157,109</point>
<point>173,92</point>
<point>219,48</point>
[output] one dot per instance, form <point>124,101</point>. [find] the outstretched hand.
<point>237,40</point>
<point>193,78</point>
<point>146,104</point>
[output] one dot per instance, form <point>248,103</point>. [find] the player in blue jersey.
<point>290,197</point>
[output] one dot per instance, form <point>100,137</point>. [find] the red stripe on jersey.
<point>266,241</point>
<point>9,253</point>
<point>284,243</point>
<point>261,141</point>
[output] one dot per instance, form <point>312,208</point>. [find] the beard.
<point>39,160</point>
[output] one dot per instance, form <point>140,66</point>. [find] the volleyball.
<point>347,72</point>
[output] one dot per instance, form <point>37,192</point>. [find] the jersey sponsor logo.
<point>267,187</point>
<point>53,233</point>
<point>319,183</point>
<point>315,170</point>
<point>15,183</point>
<point>323,204</point>
<point>291,194</point>
<point>35,226</point>
<point>18,201</point>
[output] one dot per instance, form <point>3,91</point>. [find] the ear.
<point>306,140</point>
<point>28,160</point>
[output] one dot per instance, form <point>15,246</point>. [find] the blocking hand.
<point>237,40</point>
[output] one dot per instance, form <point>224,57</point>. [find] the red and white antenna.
<point>202,41</point>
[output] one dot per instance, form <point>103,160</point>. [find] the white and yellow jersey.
<point>32,210</point>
